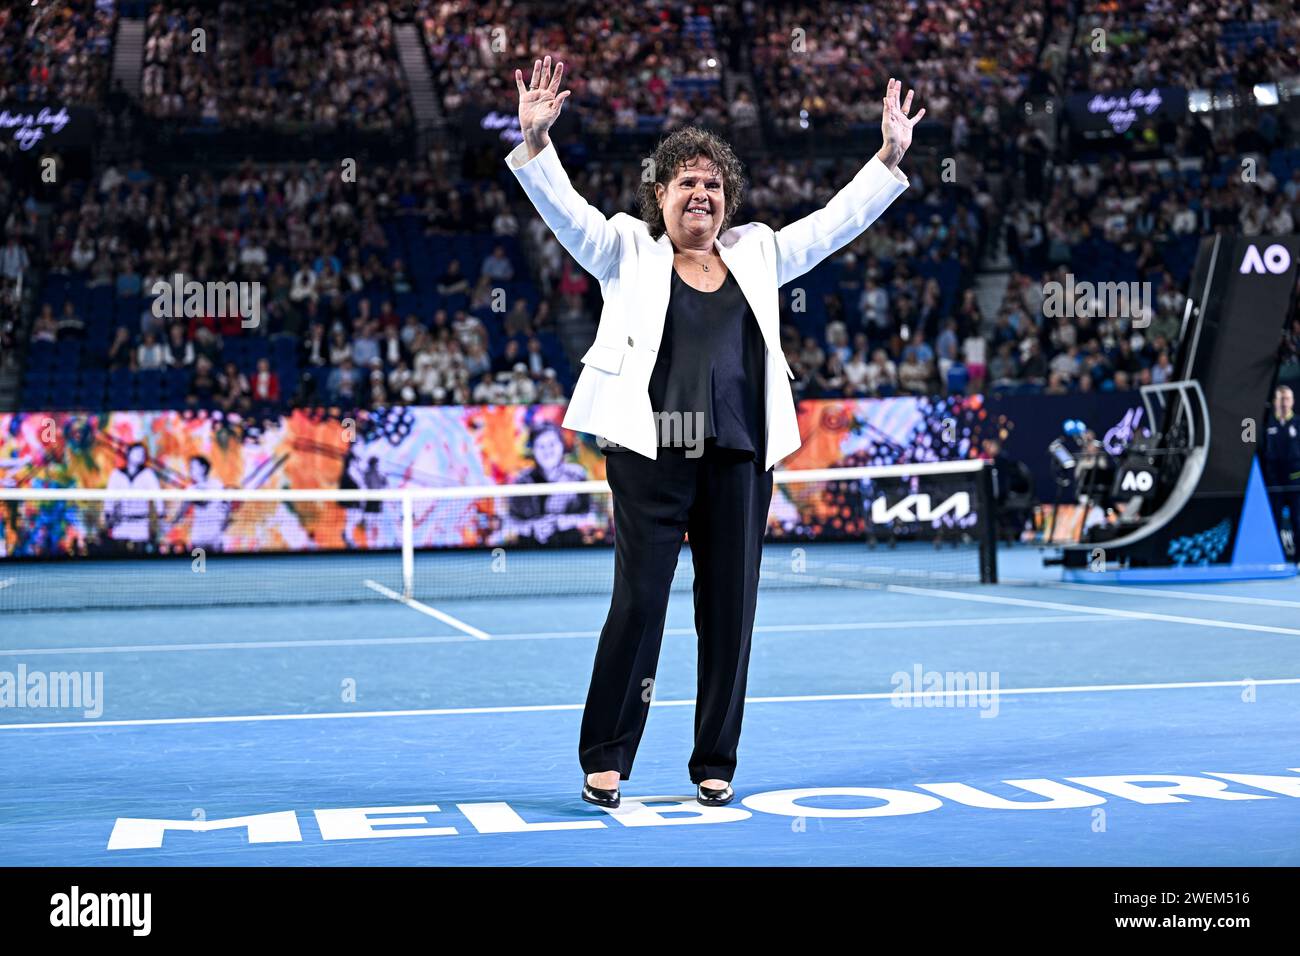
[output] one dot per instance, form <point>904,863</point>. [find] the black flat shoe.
<point>714,798</point>
<point>601,798</point>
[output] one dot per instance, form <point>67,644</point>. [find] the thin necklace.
<point>702,265</point>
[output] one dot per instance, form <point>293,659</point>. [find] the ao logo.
<point>1276,259</point>
<point>1137,481</point>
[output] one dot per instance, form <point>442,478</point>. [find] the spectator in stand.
<point>837,339</point>
<point>477,361</point>
<point>543,320</point>
<point>150,353</point>
<point>14,260</point>
<point>857,372</point>
<point>550,391</point>
<point>233,388</point>
<point>399,283</point>
<point>975,355</point>
<point>915,375</point>
<point>121,353</point>
<point>505,223</point>
<point>468,329</point>
<point>946,349</point>
<point>401,383</point>
<point>497,267</point>
<point>390,346</point>
<point>573,281</point>
<point>508,357</point>
<point>179,351</point>
<point>378,396</point>
<point>46,327</point>
<point>830,379</point>
<point>1003,368</point>
<point>1066,365</point>
<point>550,258</point>
<point>534,358</point>
<point>204,385</point>
<point>882,374</point>
<point>411,328</point>
<point>340,349</point>
<point>918,351</point>
<point>517,320</point>
<point>365,342</point>
<point>72,328</point>
<point>315,351</point>
<point>1163,369</point>
<point>483,295</point>
<point>1033,365</point>
<point>265,384</point>
<point>344,383</point>
<point>520,390</point>
<point>453,282</point>
<point>128,280</point>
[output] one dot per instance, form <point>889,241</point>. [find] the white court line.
<point>1107,611</point>
<point>1165,592</point>
<point>415,605</point>
<point>534,708</point>
<point>938,622</point>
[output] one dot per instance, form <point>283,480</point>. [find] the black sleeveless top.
<point>711,371</point>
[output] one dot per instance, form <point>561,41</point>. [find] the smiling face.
<point>548,449</point>
<point>693,204</point>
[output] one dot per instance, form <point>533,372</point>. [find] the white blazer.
<point>612,396</point>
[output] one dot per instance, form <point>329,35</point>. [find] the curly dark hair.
<point>673,153</point>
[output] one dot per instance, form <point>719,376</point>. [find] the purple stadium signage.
<point>506,125</point>
<point>483,126</point>
<point>30,126</point>
<point>1115,113</point>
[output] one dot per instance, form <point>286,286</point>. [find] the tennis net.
<point>76,548</point>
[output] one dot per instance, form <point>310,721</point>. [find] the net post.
<point>408,547</point>
<point>989,533</point>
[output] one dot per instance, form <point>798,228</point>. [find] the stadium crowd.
<point>345,317</point>
<point>823,64</point>
<point>275,62</point>
<point>645,67</point>
<point>56,53</point>
<point>386,290</point>
<point>1212,44</point>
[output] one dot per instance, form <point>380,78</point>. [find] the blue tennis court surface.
<point>378,734</point>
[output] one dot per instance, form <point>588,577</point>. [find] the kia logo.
<point>918,508</point>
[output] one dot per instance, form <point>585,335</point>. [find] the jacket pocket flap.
<point>605,358</point>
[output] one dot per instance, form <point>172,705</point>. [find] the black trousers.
<point>721,500</point>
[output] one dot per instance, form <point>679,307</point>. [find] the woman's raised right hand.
<point>540,103</point>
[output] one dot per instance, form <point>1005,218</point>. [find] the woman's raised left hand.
<point>896,125</point>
